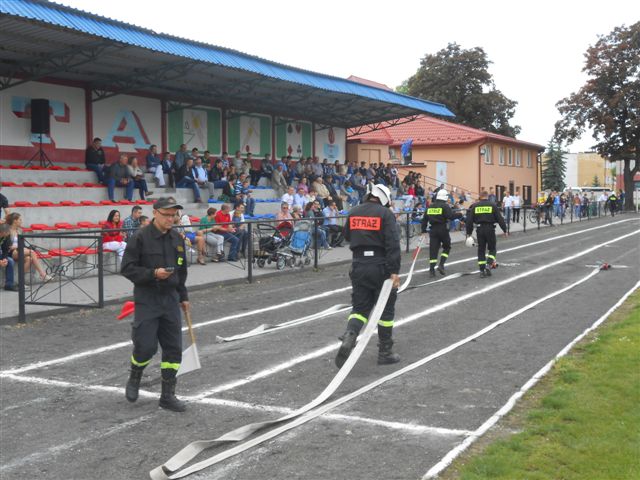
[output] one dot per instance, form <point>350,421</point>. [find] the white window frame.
<point>501,156</point>
<point>518,158</point>
<point>510,157</point>
<point>487,155</point>
<point>529,164</point>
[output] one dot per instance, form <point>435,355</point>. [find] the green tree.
<point>609,102</point>
<point>460,79</point>
<point>595,182</point>
<point>554,168</point>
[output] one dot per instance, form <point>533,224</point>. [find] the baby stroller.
<point>300,244</point>
<point>268,246</point>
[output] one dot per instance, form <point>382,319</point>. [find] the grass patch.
<point>581,422</point>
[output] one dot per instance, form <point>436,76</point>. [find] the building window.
<point>392,154</point>
<point>487,154</point>
<point>510,159</point>
<point>501,158</point>
<point>518,158</point>
<point>529,164</point>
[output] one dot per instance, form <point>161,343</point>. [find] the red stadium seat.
<point>106,202</point>
<point>69,203</point>
<point>22,203</point>
<point>46,203</point>
<point>74,169</point>
<point>88,203</point>
<point>30,184</point>
<point>85,250</point>
<point>16,167</point>
<point>125,202</point>
<point>61,252</point>
<point>10,184</point>
<point>71,184</point>
<point>64,226</point>
<point>42,226</point>
<point>51,184</point>
<point>55,167</point>
<point>89,225</point>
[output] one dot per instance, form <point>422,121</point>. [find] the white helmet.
<point>470,241</point>
<point>381,192</point>
<point>442,194</point>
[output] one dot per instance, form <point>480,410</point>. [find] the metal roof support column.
<point>313,140</point>
<point>88,112</point>
<point>224,130</point>
<point>273,138</point>
<point>163,127</point>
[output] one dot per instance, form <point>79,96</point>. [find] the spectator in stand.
<point>288,197</point>
<point>278,182</point>
<point>254,172</point>
<point>169,169</point>
<point>266,168</point>
<point>284,213</point>
<point>313,211</point>
<point>184,179</point>
<point>297,172</point>
<point>330,213</point>
<point>119,176</point>
<point>349,193</point>
<point>132,223</point>
<point>154,165</point>
<point>217,174</point>
<point>112,238</point>
<point>304,184</point>
<point>94,159</point>
<point>194,155</point>
<point>237,217</point>
<point>225,161</point>
<point>227,230</point>
<point>296,212</point>
<point>181,157</point>
<point>243,197</point>
<point>321,190</point>
<point>228,190</point>
<point>4,206</point>
<point>517,205</point>
<point>211,234</point>
<point>300,199</point>
<point>328,182</point>
<point>136,173</point>
<point>316,169</point>
<point>144,221</point>
<point>6,261</point>
<point>192,238</point>
<point>242,166</point>
<point>14,220</point>
<point>201,176</point>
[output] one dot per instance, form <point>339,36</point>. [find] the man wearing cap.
<point>155,262</point>
<point>372,232</point>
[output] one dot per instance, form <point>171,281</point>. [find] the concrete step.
<point>41,176</point>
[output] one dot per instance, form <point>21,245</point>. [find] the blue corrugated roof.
<point>116,31</point>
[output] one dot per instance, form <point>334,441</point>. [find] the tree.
<point>459,78</point>
<point>609,102</point>
<point>554,168</point>
<point>595,182</point>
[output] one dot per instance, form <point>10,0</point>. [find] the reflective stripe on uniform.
<point>385,323</point>
<point>445,255</point>
<point>434,211</point>
<point>491,256</point>
<point>139,364</point>
<point>481,209</point>
<point>482,262</point>
<point>168,365</point>
<point>433,260</point>
<point>357,316</point>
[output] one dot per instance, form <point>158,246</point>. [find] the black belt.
<point>492,225</point>
<point>368,252</point>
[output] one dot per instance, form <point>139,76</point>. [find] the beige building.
<point>460,157</point>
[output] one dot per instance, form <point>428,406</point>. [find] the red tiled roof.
<point>430,131</point>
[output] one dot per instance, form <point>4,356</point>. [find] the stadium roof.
<point>45,40</point>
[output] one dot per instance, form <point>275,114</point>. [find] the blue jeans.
<point>141,185</point>
<point>507,214</point>
<point>111,187</point>
<point>99,171</point>
<point>188,182</point>
<point>235,244</point>
<point>251,206</point>
<point>9,274</point>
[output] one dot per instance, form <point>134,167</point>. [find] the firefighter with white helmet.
<point>375,243</point>
<point>438,215</point>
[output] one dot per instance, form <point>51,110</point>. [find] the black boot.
<point>348,342</point>
<point>133,385</point>
<point>432,271</point>
<point>485,272</point>
<point>385,355</point>
<point>168,398</point>
<point>441,266</point>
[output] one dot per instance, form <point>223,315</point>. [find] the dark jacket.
<point>183,171</point>
<point>5,244</point>
<point>372,226</point>
<point>118,172</point>
<point>484,212</point>
<point>438,213</point>
<point>93,156</point>
<point>147,250</point>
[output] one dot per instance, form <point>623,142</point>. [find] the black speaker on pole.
<point>40,125</point>
<point>40,116</point>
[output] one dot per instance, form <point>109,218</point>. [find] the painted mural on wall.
<point>128,124</point>
<point>441,173</point>
<point>249,134</point>
<point>196,127</point>
<point>67,117</point>
<point>294,139</point>
<point>330,144</point>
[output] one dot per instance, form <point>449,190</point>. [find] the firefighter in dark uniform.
<point>155,262</point>
<point>612,200</point>
<point>375,243</point>
<point>438,214</point>
<point>484,215</point>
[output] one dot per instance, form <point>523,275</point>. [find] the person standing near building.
<point>374,241</point>
<point>155,262</point>
<point>484,214</point>
<point>507,205</point>
<point>612,200</point>
<point>517,205</point>
<point>438,213</point>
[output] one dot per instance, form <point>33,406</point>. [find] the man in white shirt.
<point>202,178</point>
<point>330,224</point>
<point>288,197</point>
<point>300,199</point>
<point>507,204</point>
<point>517,203</point>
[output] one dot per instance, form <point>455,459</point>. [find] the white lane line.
<point>78,442</point>
<point>24,404</point>
<point>449,457</point>
<point>411,318</point>
<point>322,409</point>
<point>115,346</point>
<point>408,427</point>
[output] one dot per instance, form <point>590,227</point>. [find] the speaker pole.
<point>44,159</point>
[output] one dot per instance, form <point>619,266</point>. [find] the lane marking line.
<point>115,346</point>
<point>449,457</point>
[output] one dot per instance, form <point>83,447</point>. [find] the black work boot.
<point>385,355</point>
<point>133,385</point>
<point>432,271</point>
<point>348,342</point>
<point>441,266</point>
<point>485,272</point>
<point>168,399</point>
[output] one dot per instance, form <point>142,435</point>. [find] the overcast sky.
<point>537,48</point>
